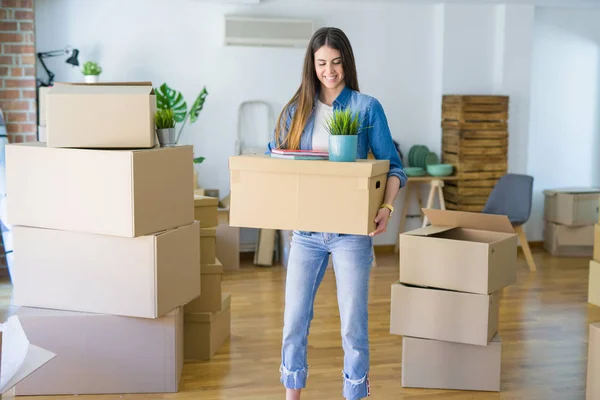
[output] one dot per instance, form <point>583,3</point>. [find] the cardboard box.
<point>596,251</point>
<point>42,105</point>
<point>147,276</point>
<point>593,363</point>
<point>228,246</point>
<point>594,283</point>
<point>273,193</point>
<point>105,115</point>
<point>205,333</point>
<point>18,357</point>
<point>210,299</point>
<point>444,315</point>
<point>205,211</point>
<point>113,192</point>
<point>572,206</point>
<point>569,241</point>
<point>462,251</point>
<point>41,133</point>
<point>208,245</point>
<point>103,354</point>
<point>433,364</point>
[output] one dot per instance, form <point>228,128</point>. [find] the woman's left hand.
<point>381,220</point>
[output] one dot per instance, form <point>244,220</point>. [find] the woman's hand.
<point>381,220</point>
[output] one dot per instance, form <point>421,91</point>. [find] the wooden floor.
<point>543,323</point>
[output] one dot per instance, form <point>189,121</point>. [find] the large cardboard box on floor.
<point>113,192</point>
<point>103,354</point>
<point>593,363</point>
<point>569,241</point>
<point>205,332</point>
<point>104,115</point>
<point>210,297</point>
<point>208,245</point>
<point>596,252</point>
<point>18,357</point>
<point>228,240</point>
<point>42,104</point>
<point>572,206</point>
<point>594,283</point>
<point>274,193</point>
<point>444,315</point>
<point>147,276</point>
<point>462,251</point>
<point>434,364</point>
<point>205,211</point>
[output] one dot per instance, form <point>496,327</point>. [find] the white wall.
<point>407,56</point>
<point>564,139</point>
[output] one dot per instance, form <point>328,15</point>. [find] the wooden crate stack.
<point>475,141</point>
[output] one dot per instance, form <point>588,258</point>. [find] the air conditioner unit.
<point>276,32</point>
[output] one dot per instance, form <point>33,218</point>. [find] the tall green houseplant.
<point>168,98</point>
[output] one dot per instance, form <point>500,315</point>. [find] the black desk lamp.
<point>71,60</point>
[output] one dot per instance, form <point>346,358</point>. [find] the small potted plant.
<point>343,127</point>
<point>165,127</point>
<point>91,71</point>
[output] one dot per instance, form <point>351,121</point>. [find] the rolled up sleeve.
<point>381,142</point>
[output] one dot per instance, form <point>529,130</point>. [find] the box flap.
<point>205,201</point>
<point>264,163</point>
<point>101,90</point>
<point>18,358</point>
<point>571,190</point>
<point>469,220</point>
<point>207,232</point>
<point>216,268</point>
<point>428,230</point>
<point>209,316</point>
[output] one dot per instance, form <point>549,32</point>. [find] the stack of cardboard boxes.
<point>446,303</point>
<point>208,317</point>
<point>569,217</point>
<point>106,248</point>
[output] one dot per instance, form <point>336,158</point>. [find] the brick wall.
<point>17,76</point>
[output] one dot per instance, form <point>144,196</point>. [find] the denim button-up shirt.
<point>377,137</point>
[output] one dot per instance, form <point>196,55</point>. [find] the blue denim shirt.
<point>377,137</point>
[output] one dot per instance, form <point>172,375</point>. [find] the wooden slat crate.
<point>475,141</point>
<point>474,112</point>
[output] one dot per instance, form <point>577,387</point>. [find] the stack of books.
<point>300,154</point>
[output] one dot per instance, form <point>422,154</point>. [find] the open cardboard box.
<point>18,357</point>
<point>462,251</point>
<point>318,196</point>
<point>104,115</point>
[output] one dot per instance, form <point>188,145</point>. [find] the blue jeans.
<point>352,257</point>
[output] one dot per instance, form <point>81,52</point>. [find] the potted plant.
<point>165,127</point>
<point>343,127</point>
<point>168,98</point>
<point>91,71</point>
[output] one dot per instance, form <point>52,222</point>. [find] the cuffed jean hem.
<point>293,379</point>
<point>356,389</point>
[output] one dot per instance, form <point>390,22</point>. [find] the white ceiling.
<point>549,3</point>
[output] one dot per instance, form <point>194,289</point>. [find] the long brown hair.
<point>305,95</point>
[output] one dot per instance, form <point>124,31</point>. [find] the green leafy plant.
<point>91,68</point>
<point>198,160</point>
<point>164,119</point>
<point>343,122</point>
<point>166,98</point>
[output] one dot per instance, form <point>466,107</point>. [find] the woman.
<point>329,82</point>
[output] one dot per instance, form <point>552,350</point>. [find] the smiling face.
<point>328,66</point>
